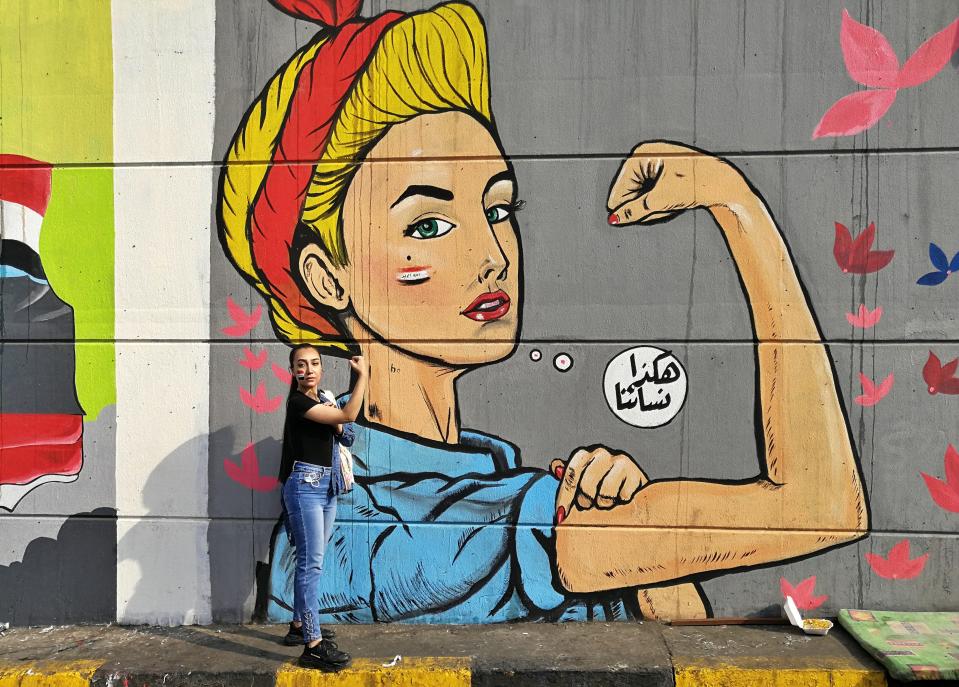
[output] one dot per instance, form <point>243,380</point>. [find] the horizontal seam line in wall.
<point>273,520</point>
<point>563,342</point>
<point>838,152</point>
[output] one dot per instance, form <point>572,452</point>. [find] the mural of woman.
<point>367,197</point>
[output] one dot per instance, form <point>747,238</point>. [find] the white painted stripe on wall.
<point>163,57</point>
<point>20,223</point>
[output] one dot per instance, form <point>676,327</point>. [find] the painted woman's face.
<point>430,229</point>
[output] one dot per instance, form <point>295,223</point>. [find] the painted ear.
<point>325,281</point>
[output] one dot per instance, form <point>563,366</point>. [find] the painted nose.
<point>494,266</point>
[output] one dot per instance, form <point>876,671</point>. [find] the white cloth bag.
<point>346,458</point>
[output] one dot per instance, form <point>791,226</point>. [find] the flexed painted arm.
<point>808,495</point>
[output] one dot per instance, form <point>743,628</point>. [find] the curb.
<point>438,672</point>
<point>718,674</point>
<point>441,672</point>
<point>49,674</point>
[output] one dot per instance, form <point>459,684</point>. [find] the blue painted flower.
<point>944,266</point>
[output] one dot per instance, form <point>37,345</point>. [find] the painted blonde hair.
<point>428,62</point>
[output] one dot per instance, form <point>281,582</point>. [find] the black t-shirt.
<point>303,439</point>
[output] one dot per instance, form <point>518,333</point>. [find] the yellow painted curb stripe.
<point>410,672</point>
<point>48,673</point>
<point>729,676</point>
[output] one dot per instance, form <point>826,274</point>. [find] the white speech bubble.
<point>645,386</point>
<point>563,362</point>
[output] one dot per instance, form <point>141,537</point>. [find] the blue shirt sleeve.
<point>470,546</point>
<point>536,545</point>
<point>348,435</point>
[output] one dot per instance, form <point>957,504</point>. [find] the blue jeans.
<point>310,513</point>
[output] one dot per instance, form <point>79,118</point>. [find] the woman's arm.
<point>333,415</point>
<point>808,495</point>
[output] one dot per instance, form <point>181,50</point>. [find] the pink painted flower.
<point>247,473</point>
<point>803,593</point>
<point>946,493</point>
<point>897,565</point>
<point>855,256</point>
<point>258,401</point>
<point>865,318</point>
<point>871,61</point>
<point>871,393</point>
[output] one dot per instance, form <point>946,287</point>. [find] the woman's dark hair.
<point>293,352</point>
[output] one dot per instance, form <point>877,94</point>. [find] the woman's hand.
<point>596,477</point>
<point>359,366</point>
<point>660,180</point>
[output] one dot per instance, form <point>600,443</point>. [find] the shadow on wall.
<point>239,543</point>
<point>70,579</point>
<point>228,543</point>
<point>165,544</point>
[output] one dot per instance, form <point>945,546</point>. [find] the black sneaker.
<point>324,656</point>
<point>295,635</point>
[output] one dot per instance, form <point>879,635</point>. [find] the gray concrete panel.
<point>730,76</point>
<point>63,570</point>
<point>847,578</point>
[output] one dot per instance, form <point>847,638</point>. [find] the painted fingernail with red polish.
<point>560,471</point>
<point>560,515</point>
<point>613,218</point>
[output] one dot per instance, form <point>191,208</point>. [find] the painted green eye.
<point>497,214</point>
<point>428,228</point>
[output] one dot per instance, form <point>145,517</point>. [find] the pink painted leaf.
<point>865,318</point>
<point>282,374</point>
<point>854,113</point>
<point>251,361</point>
<point>897,565</point>
<point>842,245</point>
<point>946,493</point>
<point>930,57</point>
<point>871,394</point>
<point>856,256</point>
<point>939,378</point>
<point>243,322</point>
<point>869,57</point>
<point>247,472</point>
<point>803,593</point>
<point>952,467</point>
<point>258,401</point>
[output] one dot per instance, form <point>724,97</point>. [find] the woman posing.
<point>386,223</point>
<point>312,481</point>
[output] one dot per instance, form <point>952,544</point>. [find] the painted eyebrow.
<point>429,191</point>
<point>505,175</point>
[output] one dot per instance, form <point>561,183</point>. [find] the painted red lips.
<point>488,307</point>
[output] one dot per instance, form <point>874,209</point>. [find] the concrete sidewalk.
<point>536,654</point>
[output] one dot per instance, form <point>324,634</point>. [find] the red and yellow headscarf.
<point>297,148</point>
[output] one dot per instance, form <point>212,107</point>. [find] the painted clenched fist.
<point>659,180</point>
<point>595,477</point>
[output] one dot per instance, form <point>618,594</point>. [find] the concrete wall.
<point>762,481</point>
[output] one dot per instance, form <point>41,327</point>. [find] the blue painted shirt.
<point>443,534</point>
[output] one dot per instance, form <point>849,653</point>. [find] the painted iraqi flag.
<point>41,421</point>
